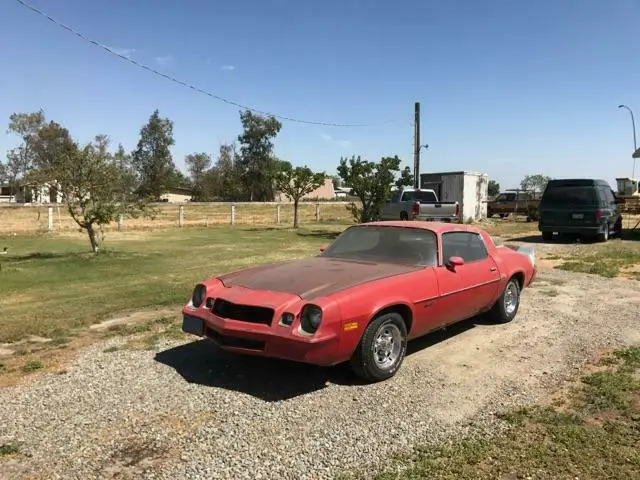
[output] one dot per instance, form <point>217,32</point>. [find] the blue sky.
<point>506,87</point>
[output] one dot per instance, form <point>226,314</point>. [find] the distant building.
<point>323,192</point>
<point>342,192</point>
<point>30,194</point>
<point>176,195</point>
<point>469,189</point>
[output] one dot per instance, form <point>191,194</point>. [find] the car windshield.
<point>569,195</point>
<point>414,246</point>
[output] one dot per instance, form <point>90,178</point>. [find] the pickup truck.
<point>509,203</point>
<point>411,204</point>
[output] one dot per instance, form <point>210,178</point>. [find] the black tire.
<point>500,312</point>
<point>618,228</point>
<point>404,216</point>
<point>362,361</point>
<point>547,236</point>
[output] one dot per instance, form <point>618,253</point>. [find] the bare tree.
<point>296,183</point>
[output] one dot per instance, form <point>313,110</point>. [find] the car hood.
<point>313,277</point>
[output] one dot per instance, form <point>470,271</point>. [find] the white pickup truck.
<point>411,204</point>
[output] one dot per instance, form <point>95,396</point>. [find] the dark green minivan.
<point>580,207</point>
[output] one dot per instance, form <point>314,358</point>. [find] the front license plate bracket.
<point>193,325</point>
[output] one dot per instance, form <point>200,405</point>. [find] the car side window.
<point>469,246</point>
<point>611,199</point>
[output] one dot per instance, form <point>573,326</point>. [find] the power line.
<point>185,84</point>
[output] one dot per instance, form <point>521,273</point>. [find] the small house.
<point>469,189</point>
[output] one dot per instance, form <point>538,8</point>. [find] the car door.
<point>465,290</point>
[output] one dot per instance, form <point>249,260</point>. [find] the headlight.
<point>199,294</point>
<point>310,318</point>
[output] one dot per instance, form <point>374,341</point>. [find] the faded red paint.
<point>352,293</point>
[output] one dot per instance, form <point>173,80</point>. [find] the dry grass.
<point>21,219</point>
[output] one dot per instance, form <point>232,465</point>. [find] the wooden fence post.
<point>317,212</point>
<point>181,216</point>
<point>120,222</point>
<point>233,214</point>
<point>50,219</point>
<point>278,214</point>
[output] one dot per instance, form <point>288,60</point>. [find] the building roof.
<point>461,172</point>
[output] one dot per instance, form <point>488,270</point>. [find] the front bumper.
<point>263,340</point>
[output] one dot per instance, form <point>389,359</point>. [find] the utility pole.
<point>635,145</point>
<point>416,147</point>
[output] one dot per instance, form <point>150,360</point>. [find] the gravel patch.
<point>189,411</point>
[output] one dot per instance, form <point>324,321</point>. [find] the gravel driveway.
<point>189,411</point>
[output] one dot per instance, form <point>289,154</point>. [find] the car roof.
<point>436,227</point>
<point>578,182</point>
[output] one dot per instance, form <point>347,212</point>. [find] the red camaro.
<point>375,287</point>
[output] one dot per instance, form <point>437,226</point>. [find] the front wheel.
<point>547,236</point>
<point>382,348</point>
<point>506,308</point>
<point>404,216</point>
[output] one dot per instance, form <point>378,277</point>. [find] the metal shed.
<point>467,188</point>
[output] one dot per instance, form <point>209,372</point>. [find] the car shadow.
<point>271,380</point>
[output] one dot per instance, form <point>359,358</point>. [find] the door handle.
<point>493,269</point>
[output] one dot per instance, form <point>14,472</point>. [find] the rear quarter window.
<point>569,195</point>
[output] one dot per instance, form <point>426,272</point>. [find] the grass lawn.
<point>50,285</point>
<point>590,433</point>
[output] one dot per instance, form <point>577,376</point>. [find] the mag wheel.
<point>382,348</point>
<point>506,308</point>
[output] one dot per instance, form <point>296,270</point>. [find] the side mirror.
<point>455,262</point>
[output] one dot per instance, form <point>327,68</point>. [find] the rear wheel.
<point>547,236</point>
<point>604,235</point>
<point>382,348</point>
<point>618,228</point>
<point>404,216</point>
<point>506,308</point>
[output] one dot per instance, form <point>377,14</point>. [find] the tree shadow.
<point>272,380</point>
<point>40,256</point>
<point>326,234</point>
<point>557,240</point>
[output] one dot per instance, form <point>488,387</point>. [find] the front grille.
<point>243,313</point>
<point>235,342</point>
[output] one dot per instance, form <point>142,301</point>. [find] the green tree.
<point>493,188</point>
<point>20,159</point>
<point>405,179</point>
<point>152,158</point>
<point>371,182</point>
<point>536,183</point>
<point>226,176</point>
<point>297,182</point>
<point>91,183</point>
<point>257,163</point>
<point>197,165</point>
